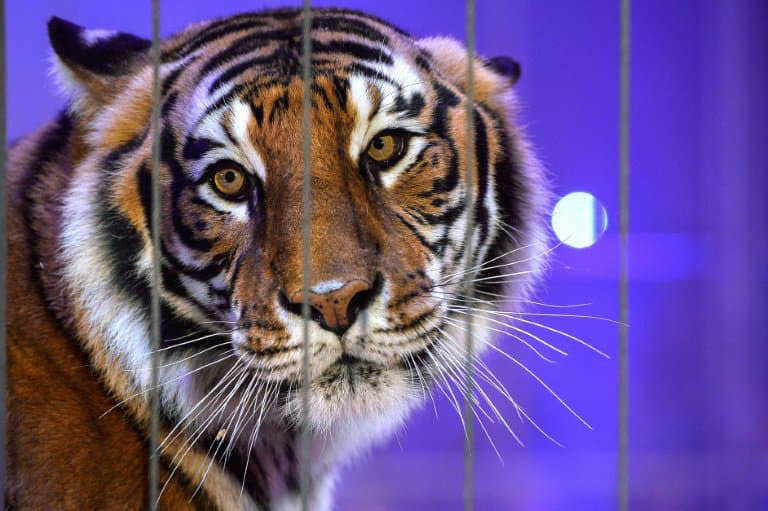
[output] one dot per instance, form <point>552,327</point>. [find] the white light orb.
<point>579,219</point>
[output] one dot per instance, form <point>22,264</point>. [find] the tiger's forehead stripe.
<point>253,53</point>
<point>245,30</point>
<point>385,89</point>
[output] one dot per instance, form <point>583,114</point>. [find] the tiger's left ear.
<point>92,59</point>
<point>493,78</point>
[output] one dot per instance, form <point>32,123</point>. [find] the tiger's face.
<point>388,211</point>
<point>382,235</point>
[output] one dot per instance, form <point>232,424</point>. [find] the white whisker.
<point>165,383</point>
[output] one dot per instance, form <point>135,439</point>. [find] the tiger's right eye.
<point>387,148</point>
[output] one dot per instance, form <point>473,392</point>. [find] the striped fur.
<point>231,358</point>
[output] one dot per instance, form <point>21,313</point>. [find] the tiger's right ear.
<point>92,59</point>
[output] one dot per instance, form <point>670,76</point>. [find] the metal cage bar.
<point>306,199</point>
<point>469,162</point>
<point>154,428</point>
<point>3,265</point>
<point>623,434</point>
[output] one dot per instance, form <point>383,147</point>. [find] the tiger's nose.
<point>337,310</point>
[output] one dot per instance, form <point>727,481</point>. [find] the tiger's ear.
<point>92,59</point>
<point>505,66</point>
<point>493,78</point>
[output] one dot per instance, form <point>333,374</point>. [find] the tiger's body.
<point>389,215</point>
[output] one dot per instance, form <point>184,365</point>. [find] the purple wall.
<point>699,352</point>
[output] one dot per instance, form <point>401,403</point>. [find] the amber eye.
<point>387,148</point>
<point>231,182</point>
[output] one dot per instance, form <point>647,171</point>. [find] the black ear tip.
<point>62,33</point>
<point>55,22</point>
<point>506,66</point>
<point>109,54</point>
<point>58,25</point>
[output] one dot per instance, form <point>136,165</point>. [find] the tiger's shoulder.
<point>63,453</point>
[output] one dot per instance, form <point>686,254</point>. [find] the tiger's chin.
<point>357,399</point>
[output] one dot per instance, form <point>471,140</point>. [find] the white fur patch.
<point>358,93</point>
<point>94,35</point>
<point>327,286</point>
<point>241,117</point>
<point>238,209</point>
<point>390,176</point>
<point>65,79</point>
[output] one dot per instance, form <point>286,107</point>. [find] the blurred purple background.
<point>699,351</point>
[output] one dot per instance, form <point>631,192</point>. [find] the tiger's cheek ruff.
<point>106,314</point>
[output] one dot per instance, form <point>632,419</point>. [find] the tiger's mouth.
<point>350,361</point>
<point>353,369</point>
<point>413,361</point>
<point>405,344</point>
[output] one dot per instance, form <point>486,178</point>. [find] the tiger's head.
<point>389,211</point>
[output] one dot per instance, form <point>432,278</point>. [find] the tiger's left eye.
<point>230,182</point>
<point>387,148</point>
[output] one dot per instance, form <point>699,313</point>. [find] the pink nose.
<point>338,309</point>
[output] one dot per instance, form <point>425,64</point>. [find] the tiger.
<point>412,223</point>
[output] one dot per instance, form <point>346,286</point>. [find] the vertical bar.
<point>154,427</point>
<point>3,265</point>
<point>306,124</point>
<point>623,459</point>
<point>469,383</point>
